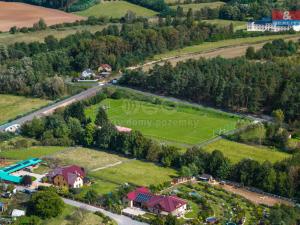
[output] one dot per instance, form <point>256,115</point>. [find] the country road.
<point>120,219</point>
<point>51,108</point>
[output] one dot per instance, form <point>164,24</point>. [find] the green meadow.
<point>237,151</point>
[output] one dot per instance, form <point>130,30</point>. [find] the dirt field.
<point>255,197</point>
<point>230,51</point>
<point>24,15</point>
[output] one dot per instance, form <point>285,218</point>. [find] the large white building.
<point>280,21</point>
<point>263,25</point>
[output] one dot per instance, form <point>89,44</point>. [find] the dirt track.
<point>225,52</point>
<point>24,15</point>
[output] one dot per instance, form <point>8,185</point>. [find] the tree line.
<point>71,127</point>
<point>235,84</point>
<point>276,48</point>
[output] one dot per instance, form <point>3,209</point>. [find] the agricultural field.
<point>180,124</point>
<point>39,36</point>
<point>237,151</point>
<point>25,15</point>
<point>116,9</point>
<point>198,6</point>
<point>12,106</point>
<point>207,201</point>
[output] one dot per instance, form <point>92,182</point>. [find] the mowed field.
<point>237,151</point>
<point>12,106</point>
<point>39,36</point>
<point>198,6</point>
<point>116,9</point>
<point>25,15</point>
<point>178,124</point>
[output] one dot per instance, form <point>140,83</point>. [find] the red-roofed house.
<point>158,204</point>
<point>123,129</point>
<point>69,176</point>
<point>104,68</point>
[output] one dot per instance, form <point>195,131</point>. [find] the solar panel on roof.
<point>143,197</point>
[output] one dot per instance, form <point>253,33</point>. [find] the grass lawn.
<point>177,124</point>
<point>198,6</point>
<point>237,151</point>
<point>208,46</point>
<point>116,9</point>
<point>88,158</point>
<point>238,25</point>
<point>32,152</point>
<point>136,172</point>
<point>7,38</point>
<point>12,106</point>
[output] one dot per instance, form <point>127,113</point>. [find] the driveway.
<point>120,219</point>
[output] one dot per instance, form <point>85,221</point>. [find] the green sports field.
<point>12,106</point>
<point>180,124</point>
<point>237,151</point>
<point>116,9</point>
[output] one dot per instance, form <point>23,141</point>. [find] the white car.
<point>13,128</point>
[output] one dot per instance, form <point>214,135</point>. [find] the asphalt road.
<point>120,219</point>
<point>50,109</point>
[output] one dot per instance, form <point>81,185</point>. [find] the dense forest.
<point>276,48</point>
<point>71,126</point>
<point>235,84</point>
<point>25,67</point>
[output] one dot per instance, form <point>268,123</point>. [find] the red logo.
<point>286,15</point>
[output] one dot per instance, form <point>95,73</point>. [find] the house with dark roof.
<point>68,176</point>
<point>159,204</point>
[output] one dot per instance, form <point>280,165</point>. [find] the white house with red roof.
<point>159,204</point>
